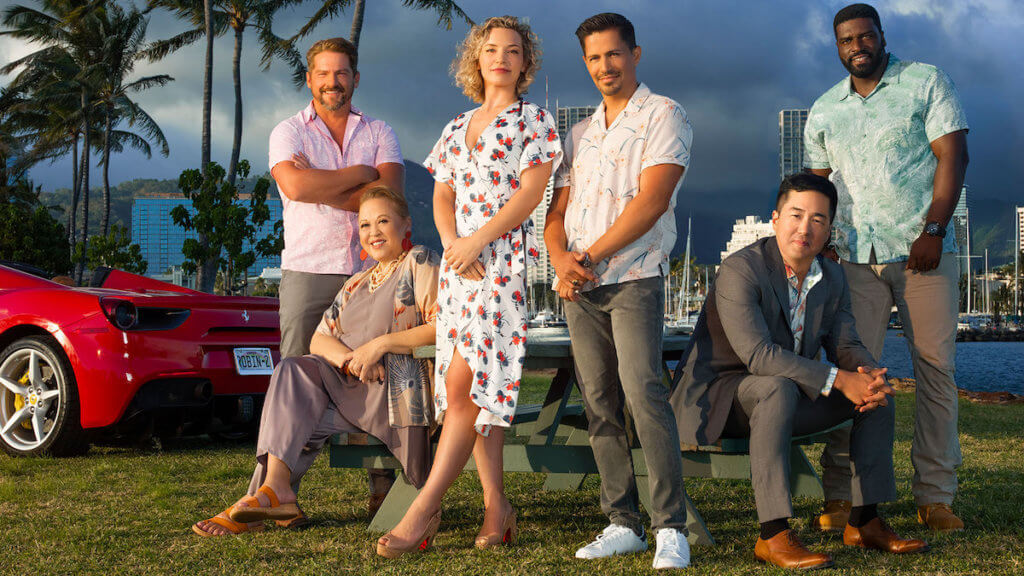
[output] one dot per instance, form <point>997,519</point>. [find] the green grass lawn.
<point>119,510</point>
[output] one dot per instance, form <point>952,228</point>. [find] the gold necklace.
<point>382,271</point>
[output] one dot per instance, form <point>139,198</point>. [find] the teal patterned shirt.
<point>878,148</point>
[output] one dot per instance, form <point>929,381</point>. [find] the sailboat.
<point>683,324</point>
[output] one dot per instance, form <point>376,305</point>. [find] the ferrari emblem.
<point>245,315</point>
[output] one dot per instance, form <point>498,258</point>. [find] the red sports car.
<point>125,352</point>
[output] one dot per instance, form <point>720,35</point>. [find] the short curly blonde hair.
<point>465,68</point>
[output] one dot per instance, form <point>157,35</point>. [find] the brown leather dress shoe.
<point>786,551</point>
<point>876,534</point>
<point>939,517</point>
<point>834,516</point>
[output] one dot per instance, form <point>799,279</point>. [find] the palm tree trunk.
<point>357,22</point>
<point>104,226</point>
<point>236,75</point>
<point>75,183</point>
<point>80,265</point>
<point>207,83</point>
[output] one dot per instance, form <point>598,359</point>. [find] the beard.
<point>865,70</point>
<point>343,98</point>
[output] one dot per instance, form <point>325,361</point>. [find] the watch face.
<point>934,229</point>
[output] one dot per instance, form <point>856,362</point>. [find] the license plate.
<point>253,361</point>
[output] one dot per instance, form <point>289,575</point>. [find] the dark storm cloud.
<point>731,64</point>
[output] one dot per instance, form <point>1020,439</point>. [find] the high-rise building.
<point>1020,228</point>
<point>543,272</point>
<point>745,232</point>
<point>791,140</point>
<point>568,116</point>
<point>160,239</point>
<point>961,225</point>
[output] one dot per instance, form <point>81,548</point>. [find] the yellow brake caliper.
<point>19,401</point>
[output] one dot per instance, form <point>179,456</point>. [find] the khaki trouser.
<point>927,304</point>
<point>303,297</point>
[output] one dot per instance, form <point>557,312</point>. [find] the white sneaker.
<point>613,540</point>
<point>673,550</point>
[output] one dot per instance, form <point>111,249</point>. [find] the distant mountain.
<point>419,193</point>
<point>713,214</point>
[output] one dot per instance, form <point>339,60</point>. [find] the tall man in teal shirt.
<point>892,137</point>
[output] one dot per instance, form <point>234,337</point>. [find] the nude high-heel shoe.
<point>387,548</point>
<point>509,534</point>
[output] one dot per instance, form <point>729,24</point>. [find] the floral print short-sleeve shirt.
<point>602,170</point>
<point>878,148</point>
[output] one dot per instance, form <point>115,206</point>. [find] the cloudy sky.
<point>732,64</point>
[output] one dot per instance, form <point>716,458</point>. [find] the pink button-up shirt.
<point>318,238</point>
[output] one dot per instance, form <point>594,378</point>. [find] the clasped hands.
<point>572,274</point>
<point>463,255</point>
<point>866,388</point>
<point>365,362</point>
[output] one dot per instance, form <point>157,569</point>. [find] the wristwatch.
<point>935,229</point>
<point>586,262</point>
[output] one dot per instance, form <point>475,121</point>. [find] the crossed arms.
<point>300,182</point>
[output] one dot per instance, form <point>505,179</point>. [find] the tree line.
<point>73,98</point>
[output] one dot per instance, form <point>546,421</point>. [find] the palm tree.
<point>124,44</point>
<point>447,12</point>
<point>238,15</point>
<point>67,30</point>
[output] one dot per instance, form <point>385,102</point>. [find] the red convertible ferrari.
<point>123,351</point>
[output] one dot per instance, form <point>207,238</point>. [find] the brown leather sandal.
<point>254,511</point>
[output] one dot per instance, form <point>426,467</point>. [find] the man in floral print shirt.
<point>322,159</point>
<point>610,229</point>
<point>892,137</point>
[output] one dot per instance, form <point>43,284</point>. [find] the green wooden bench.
<point>551,438</point>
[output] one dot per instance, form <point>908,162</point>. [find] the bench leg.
<point>803,479</point>
<point>697,531</point>
<point>397,502</point>
<point>569,482</point>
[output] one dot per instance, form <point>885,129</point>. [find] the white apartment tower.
<point>746,232</point>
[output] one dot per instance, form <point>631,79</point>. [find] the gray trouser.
<point>303,298</point>
<point>616,344</point>
<point>927,304</point>
<point>298,419</point>
<point>772,409</point>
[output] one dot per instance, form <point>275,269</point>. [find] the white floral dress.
<point>485,320</point>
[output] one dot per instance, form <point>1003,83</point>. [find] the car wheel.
<point>39,409</point>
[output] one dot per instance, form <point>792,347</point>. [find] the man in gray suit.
<point>750,370</point>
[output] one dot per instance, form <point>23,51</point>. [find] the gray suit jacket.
<point>744,329</point>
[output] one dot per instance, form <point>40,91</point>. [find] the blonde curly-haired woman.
<point>490,167</point>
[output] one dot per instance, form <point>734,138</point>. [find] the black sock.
<point>861,515</point>
<point>772,527</point>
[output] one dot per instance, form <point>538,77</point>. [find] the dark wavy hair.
<point>607,21</point>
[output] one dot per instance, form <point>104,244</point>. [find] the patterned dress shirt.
<point>798,310</point>
<point>602,168</point>
<point>318,238</point>
<point>878,147</point>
